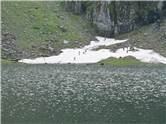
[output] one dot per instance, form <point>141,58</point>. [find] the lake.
<point>83,94</point>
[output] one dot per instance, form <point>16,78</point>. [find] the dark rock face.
<point>75,6</point>
<point>101,17</point>
<point>112,18</point>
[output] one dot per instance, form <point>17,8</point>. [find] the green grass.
<point>36,22</point>
<point>5,61</point>
<point>121,61</point>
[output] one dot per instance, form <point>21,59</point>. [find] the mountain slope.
<point>33,29</point>
<point>112,18</point>
<point>40,28</point>
<point>146,37</point>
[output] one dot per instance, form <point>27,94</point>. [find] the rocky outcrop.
<point>74,6</point>
<point>99,15</point>
<point>9,47</point>
<point>116,17</point>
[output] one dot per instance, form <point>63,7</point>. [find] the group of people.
<point>79,53</point>
<point>129,48</point>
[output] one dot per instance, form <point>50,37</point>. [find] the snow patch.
<point>87,54</point>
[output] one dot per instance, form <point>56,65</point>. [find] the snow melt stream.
<point>87,54</point>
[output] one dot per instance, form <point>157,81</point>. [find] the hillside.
<point>143,23</point>
<point>31,29</point>
<point>43,29</point>
<point>147,37</point>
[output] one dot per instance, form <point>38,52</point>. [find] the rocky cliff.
<point>116,17</point>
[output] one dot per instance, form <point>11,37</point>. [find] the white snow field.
<point>87,54</point>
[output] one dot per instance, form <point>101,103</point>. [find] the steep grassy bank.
<point>41,27</point>
<point>127,61</point>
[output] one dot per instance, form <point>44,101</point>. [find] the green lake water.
<point>83,94</point>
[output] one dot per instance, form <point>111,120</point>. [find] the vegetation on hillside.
<point>38,24</point>
<point>44,28</point>
<point>121,61</point>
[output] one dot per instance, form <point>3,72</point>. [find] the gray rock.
<point>65,42</point>
<point>51,49</point>
<point>63,29</point>
<point>145,34</point>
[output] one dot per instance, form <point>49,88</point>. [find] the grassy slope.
<point>4,61</point>
<point>34,23</point>
<point>121,62</point>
